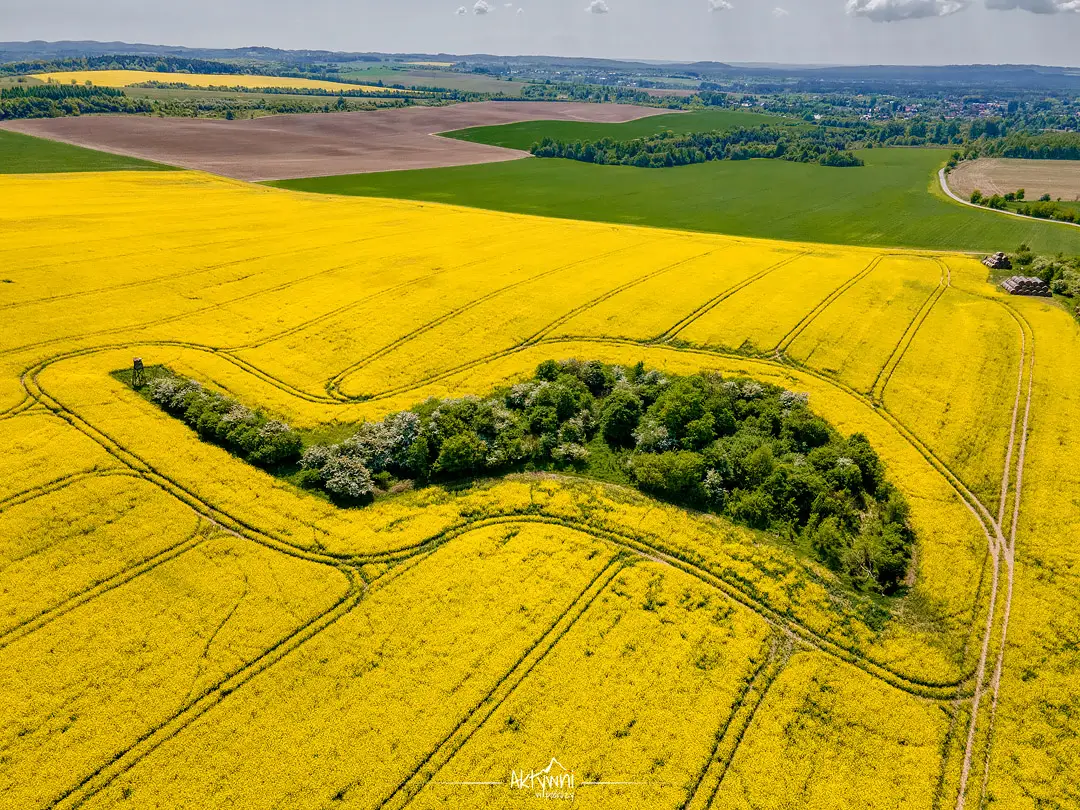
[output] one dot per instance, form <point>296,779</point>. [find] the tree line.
<point>668,149</point>
<point>57,100</point>
<point>157,64</point>
<point>752,452</point>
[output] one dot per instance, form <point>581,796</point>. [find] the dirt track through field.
<point>281,147</point>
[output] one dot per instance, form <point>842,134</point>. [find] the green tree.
<point>620,416</point>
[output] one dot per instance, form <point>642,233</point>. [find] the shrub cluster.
<point>752,452</point>
<point>668,149</point>
<point>1061,273</point>
<point>248,433</point>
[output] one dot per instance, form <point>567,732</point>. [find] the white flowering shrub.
<point>713,485</point>
<point>570,452</point>
<point>792,399</point>
<point>348,478</point>
<point>384,445</point>
<point>652,437</point>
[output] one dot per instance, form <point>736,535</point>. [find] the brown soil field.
<point>282,147</point>
<point>1058,178</point>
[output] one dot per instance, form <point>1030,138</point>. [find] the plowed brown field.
<point>288,146</point>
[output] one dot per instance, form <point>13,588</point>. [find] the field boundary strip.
<point>475,718</point>
<point>228,521</point>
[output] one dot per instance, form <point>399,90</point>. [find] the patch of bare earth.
<point>314,145</point>
<point>1058,178</point>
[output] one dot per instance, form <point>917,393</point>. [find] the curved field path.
<point>283,147</point>
<point>943,179</point>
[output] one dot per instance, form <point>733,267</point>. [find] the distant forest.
<point>667,149</point>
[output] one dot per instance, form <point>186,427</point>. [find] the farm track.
<point>1009,549</point>
<point>350,563</point>
<point>479,714</point>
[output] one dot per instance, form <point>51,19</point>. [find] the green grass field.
<point>893,201</point>
<point>23,154</point>
<point>524,135</point>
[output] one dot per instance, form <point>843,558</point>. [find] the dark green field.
<point>23,154</point>
<point>524,135</point>
<point>892,201</point>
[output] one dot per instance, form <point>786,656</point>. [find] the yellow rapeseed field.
<point>180,628</point>
<point>128,78</point>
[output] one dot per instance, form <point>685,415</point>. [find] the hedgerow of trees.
<point>668,149</point>
<point>754,453</point>
<point>56,100</point>
<point>250,434</point>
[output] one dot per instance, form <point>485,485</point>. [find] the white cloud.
<point>1035,6</point>
<point>779,13</point>
<point>893,10</point>
<point>720,5</point>
<point>461,10</point>
<point>598,7</point>
<point>481,7</point>
<point>521,11</point>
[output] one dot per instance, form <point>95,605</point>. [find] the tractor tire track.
<point>877,390</point>
<point>124,760</point>
<point>532,340</point>
<point>780,656</point>
<point>334,383</point>
<point>478,715</point>
<point>49,615</point>
<point>816,312</point>
<point>672,331</point>
<point>746,688</point>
